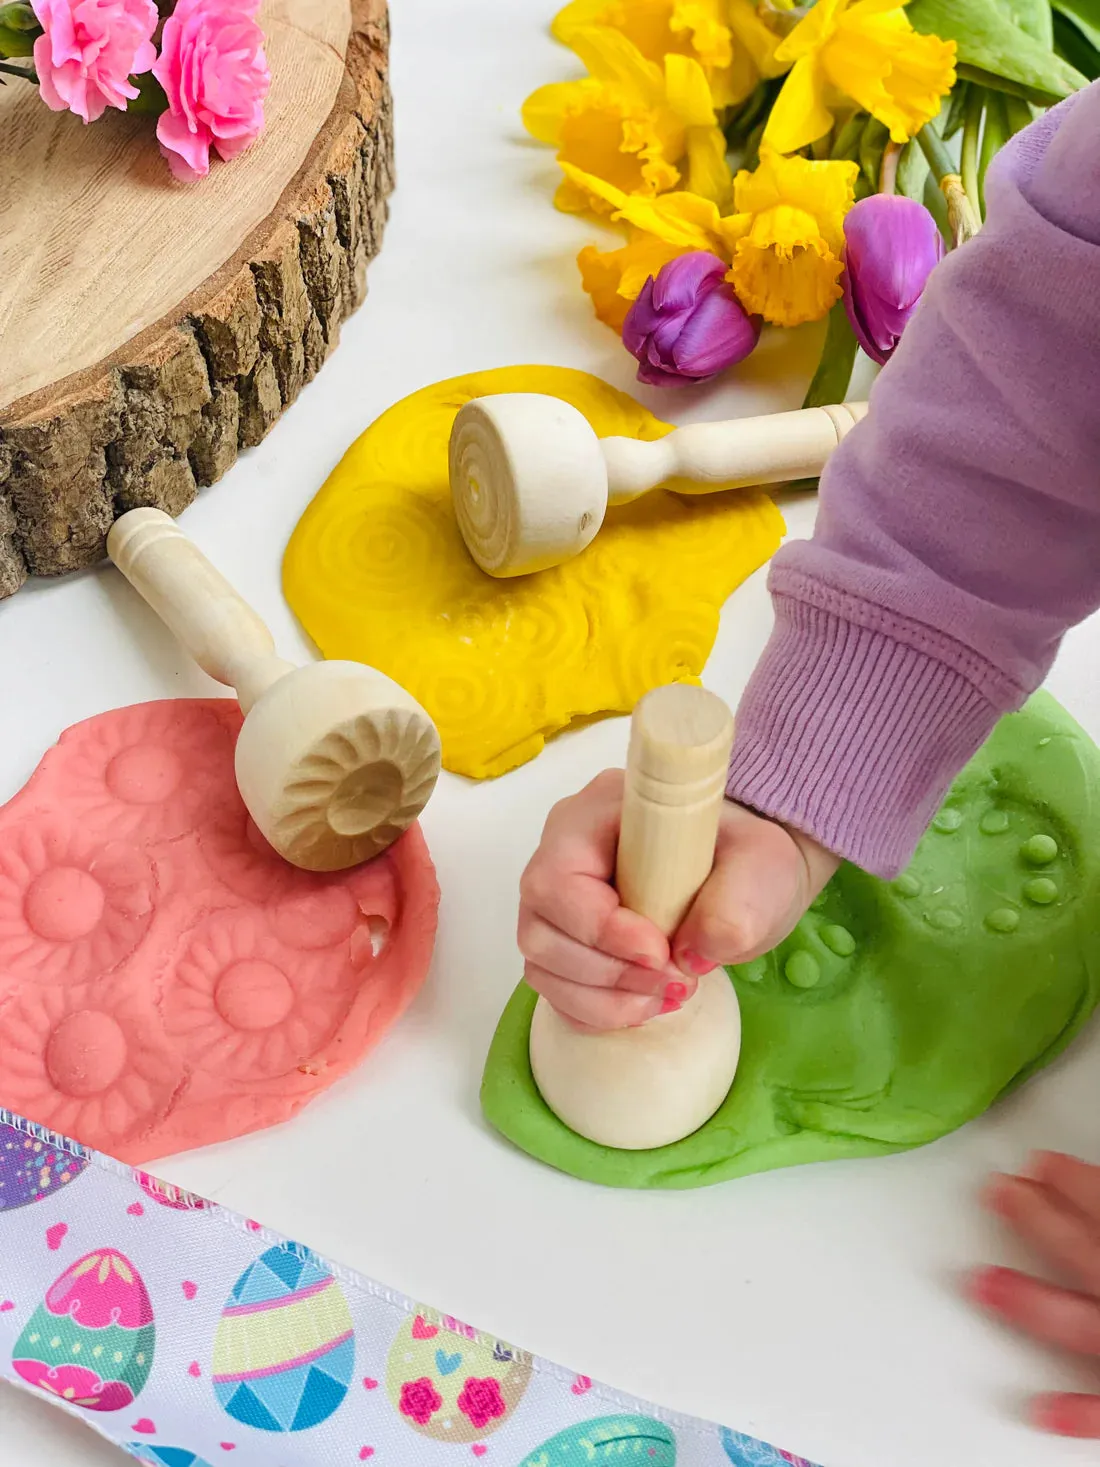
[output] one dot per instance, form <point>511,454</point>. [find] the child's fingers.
<point>567,882</point>
<point>550,948</point>
<point>594,1008</point>
<point>1067,1414</point>
<point>1051,1224</point>
<point>755,894</point>
<point>1056,1316</point>
<point>1077,1181</point>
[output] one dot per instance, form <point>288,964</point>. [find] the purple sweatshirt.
<point>958,536</point>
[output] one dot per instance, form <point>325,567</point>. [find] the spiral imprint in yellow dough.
<point>503,665</point>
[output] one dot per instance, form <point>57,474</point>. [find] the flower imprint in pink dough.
<point>246,1005</point>
<point>70,910</point>
<point>155,771</point>
<point>89,1062</point>
<point>240,856</point>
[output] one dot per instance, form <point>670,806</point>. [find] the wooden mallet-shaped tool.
<point>334,760</point>
<point>645,1087</point>
<point>531,482</point>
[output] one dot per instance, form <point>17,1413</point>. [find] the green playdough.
<point>895,1011</point>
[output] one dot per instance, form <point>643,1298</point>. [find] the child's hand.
<point>607,968</point>
<point>1056,1208</point>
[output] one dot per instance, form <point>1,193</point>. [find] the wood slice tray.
<point>149,329</point>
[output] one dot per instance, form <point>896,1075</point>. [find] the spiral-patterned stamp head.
<point>334,763</point>
<point>528,481</point>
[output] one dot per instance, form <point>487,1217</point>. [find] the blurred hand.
<point>1056,1209</point>
<point>604,967</point>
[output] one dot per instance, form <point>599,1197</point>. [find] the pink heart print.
<point>135,1209</point>
<point>582,1385</point>
<point>194,1369</point>
<point>5,1305</point>
<point>55,1236</point>
<point>369,1383</point>
<point>479,1450</point>
<point>189,1289</point>
<point>144,1427</point>
<point>365,1452</point>
<point>422,1330</point>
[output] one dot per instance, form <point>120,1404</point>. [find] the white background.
<point>814,1307</point>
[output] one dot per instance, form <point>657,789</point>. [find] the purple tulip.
<point>687,324</point>
<point>892,245</point>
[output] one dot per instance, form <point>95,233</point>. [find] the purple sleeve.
<point>958,535</point>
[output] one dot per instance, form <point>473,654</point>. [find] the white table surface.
<point>813,1307</point>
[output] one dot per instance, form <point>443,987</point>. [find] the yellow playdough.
<point>377,572</point>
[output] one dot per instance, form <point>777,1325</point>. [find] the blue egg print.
<point>639,1440</point>
<point>31,1169</point>
<point>746,1451</point>
<point>284,1351</point>
<point>163,1456</point>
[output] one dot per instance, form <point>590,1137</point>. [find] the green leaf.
<point>1077,49</point>
<point>1085,15</point>
<point>912,172</point>
<point>15,43</point>
<point>151,100</point>
<point>838,357</point>
<point>1033,17</point>
<point>993,49</point>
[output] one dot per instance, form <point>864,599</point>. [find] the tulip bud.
<point>891,247</point>
<point>687,324</point>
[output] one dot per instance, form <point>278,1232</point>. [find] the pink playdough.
<point>167,980</point>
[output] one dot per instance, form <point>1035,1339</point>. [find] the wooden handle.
<point>194,600</point>
<point>676,771</point>
<point>653,1084</point>
<point>773,449</point>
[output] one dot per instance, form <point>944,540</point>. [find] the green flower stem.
<point>847,142</point>
<point>1019,113</point>
<point>963,219</point>
<point>888,178</point>
<point>994,136</point>
<point>23,73</point>
<point>968,158</point>
<point>939,159</point>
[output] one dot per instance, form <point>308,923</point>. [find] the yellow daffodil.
<point>783,243</point>
<point>726,37</point>
<point>866,51</point>
<point>787,263</point>
<point>641,127</point>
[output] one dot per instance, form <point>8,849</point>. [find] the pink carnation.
<point>88,51</point>
<point>214,72</point>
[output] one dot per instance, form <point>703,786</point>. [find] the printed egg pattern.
<point>746,1451</point>
<point>450,1387</point>
<point>163,1456</point>
<point>284,1351</point>
<point>31,1169</point>
<point>91,1341</point>
<point>638,1440</point>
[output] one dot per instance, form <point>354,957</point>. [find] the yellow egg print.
<point>450,1383</point>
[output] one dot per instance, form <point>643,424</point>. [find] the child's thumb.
<point>759,888</point>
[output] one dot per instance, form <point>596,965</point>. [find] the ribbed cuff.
<point>853,736</point>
